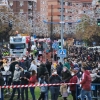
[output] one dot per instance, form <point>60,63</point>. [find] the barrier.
<point>33,85</point>
<point>95,89</point>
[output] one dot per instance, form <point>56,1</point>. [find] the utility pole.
<point>51,28</point>
<point>62,23</point>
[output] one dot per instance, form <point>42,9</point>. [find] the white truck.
<point>19,45</point>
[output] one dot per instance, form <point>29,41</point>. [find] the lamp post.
<point>51,28</point>
<point>62,23</point>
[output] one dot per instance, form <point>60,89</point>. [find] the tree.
<point>87,29</point>
<point>19,22</point>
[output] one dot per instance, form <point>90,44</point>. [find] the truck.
<point>19,45</point>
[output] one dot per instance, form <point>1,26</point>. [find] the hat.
<point>76,68</point>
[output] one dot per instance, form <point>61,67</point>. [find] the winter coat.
<point>33,79</point>
<point>74,79</point>
<point>33,67</point>
<point>59,69</point>
<point>86,81</point>
<point>63,90</point>
<point>67,64</point>
<point>12,67</point>
<point>54,79</point>
<point>66,76</point>
<point>22,75</point>
<point>1,81</point>
<point>42,70</point>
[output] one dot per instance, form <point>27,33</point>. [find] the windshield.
<point>17,46</point>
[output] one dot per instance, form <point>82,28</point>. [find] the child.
<point>63,90</point>
<point>43,89</point>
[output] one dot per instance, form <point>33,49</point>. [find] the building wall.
<point>72,11</point>
<point>24,6</point>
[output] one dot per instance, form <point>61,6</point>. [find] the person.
<point>22,62</point>
<point>42,70</point>
<point>23,77</point>
<point>26,62</point>
<point>33,66</point>
<point>48,66</point>
<point>74,79</point>
<point>16,81</point>
<point>66,75</point>
<point>54,79</point>
<point>86,84</point>
<point>32,80</point>
<point>59,68</point>
<point>12,69</point>
<point>67,64</point>
<point>63,90</point>
<point>43,88</point>
<point>1,84</point>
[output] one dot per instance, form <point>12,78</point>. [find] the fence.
<point>95,91</point>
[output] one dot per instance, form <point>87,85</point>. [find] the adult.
<point>74,79</point>
<point>33,66</point>
<point>59,68</point>
<point>1,84</point>
<point>12,68</point>
<point>42,70</point>
<point>16,81</point>
<point>32,80</point>
<point>48,66</point>
<point>23,77</point>
<point>66,75</point>
<point>86,84</point>
<point>67,64</point>
<point>54,79</point>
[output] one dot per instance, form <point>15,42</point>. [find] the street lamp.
<point>51,26</point>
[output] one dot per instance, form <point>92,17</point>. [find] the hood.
<point>87,72</point>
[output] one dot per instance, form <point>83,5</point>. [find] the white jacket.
<point>33,67</point>
<point>94,76</point>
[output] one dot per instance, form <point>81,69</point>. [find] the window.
<point>69,3</point>
<point>66,3</point>
<point>70,17</point>
<point>21,11</point>
<point>21,3</point>
<point>11,3</point>
<point>17,46</point>
<point>43,2</point>
<point>43,9</point>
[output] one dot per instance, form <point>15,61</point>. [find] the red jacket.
<point>74,79</point>
<point>86,81</point>
<point>33,79</point>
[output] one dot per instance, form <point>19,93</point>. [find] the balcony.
<point>30,14</point>
<point>30,7</point>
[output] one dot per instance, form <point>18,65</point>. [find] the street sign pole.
<point>62,28</point>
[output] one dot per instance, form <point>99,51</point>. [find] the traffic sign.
<point>55,45</point>
<point>62,53</point>
<point>34,36</point>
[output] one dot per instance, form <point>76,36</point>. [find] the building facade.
<point>27,7</point>
<point>73,10</point>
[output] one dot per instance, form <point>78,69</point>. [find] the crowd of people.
<point>75,75</point>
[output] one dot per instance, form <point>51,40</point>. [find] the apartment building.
<point>73,10</point>
<point>27,7</point>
